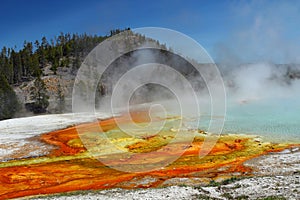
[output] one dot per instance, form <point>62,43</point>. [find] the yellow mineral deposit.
<point>69,167</point>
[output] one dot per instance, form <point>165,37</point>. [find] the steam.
<point>247,83</point>
<point>260,63</point>
<point>262,81</point>
<point>151,92</point>
<point>260,58</point>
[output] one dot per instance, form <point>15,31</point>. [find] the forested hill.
<point>39,77</point>
<point>63,50</point>
<point>34,68</point>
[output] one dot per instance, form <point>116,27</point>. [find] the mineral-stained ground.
<point>237,166</point>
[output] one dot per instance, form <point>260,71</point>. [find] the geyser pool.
<point>277,120</point>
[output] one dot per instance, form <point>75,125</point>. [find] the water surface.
<point>277,120</point>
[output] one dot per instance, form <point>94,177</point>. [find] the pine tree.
<point>60,98</point>
<point>6,67</point>
<point>17,66</point>
<point>39,96</point>
<point>34,65</point>
<point>43,51</point>
<point>27,60</point>
<point>9,104</point>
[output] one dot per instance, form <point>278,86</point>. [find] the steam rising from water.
<point>257,93</point>
<point>263,98</point>
<point>121,65</point>
<point>263,81</point>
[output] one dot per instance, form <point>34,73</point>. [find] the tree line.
<point>26,64</point>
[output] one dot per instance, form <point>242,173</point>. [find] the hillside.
<point>39,78</point>
<point>42,75</point>
<point>55,63</point>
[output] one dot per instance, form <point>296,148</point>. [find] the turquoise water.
<point>276,120</point>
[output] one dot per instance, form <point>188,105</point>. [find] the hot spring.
<point>275,120</point>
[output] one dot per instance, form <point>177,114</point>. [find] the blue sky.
<point>240,30</point>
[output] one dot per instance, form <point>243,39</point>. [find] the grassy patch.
<point>225,182</point>
<point>242,197</point>
<point>213,184</point>
<point>273,198</point>
<point>230,180</point>
<point>227,196</point>
<point>64,194</point>
<point>203,197</point>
